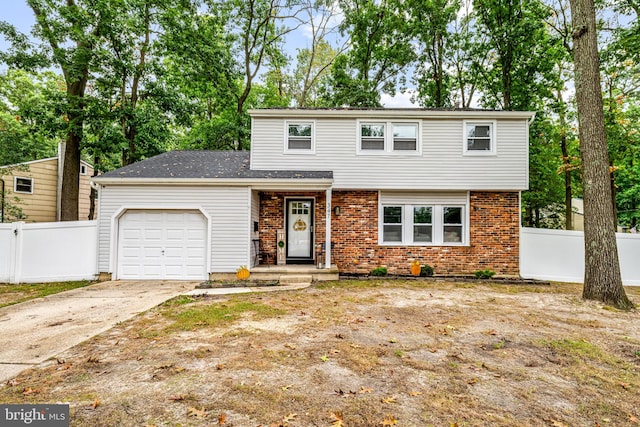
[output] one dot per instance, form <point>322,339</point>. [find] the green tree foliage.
<point>31,115</point>
<point>380,50</point>
<point>431,24</point>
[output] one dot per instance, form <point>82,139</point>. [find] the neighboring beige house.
<point>38,185</point>
<point>577,217</point>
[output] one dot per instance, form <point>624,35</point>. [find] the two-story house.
<point>384,186</point>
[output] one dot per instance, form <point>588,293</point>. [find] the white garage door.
<point>162,245</point>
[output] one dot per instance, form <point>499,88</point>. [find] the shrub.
<point>426,271</point>
<point>379,271</point>
<point>487,273</point>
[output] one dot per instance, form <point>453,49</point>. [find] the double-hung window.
<point>388,137</point>
<point>422,224</point>
<point>300,137</point>
<point>479,138</point>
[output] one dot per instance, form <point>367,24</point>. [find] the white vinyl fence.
<point>559,255</point>
<point>58,251</point>
<point>48,251</point>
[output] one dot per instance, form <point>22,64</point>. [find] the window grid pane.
<point>392,224</point>
<point>372,136</point>
<point>299,136</point>
<point>479,137</point>
<point>405,137</point>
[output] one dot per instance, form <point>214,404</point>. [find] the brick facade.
<point>493,232</point>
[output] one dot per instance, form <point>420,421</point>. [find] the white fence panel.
<point>6,231</point>
<point>50,251</point>
<point>559,255</point>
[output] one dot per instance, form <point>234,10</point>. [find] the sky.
<point>17,13</point>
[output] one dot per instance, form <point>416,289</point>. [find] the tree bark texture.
<point>602,280</point>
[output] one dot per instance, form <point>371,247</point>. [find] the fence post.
<point>15,266</point>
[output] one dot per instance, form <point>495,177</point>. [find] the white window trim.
<point>288,150</point>
<point>15,184</point>
<point>388,138</point>
<point>492,135</point>
<point>83,169</point>
<point>437,224</point>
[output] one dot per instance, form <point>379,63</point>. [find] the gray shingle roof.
<point>206,164</point>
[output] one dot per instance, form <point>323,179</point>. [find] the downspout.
<point>61,148</point>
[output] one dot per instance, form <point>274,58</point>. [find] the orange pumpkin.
<point>415,268</point>
<point>243,273</point>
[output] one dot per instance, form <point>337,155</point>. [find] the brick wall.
<point>494,234</point>
<point>494,237</point>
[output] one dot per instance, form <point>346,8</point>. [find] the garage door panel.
<point>162,245</point>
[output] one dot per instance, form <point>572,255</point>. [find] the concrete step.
<point>291,279</point>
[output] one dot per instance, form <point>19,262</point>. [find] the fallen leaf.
<point>389,420</point>
<point>365,390</point>
<point>12,382</point>
<point>176,397</point>
<point>286,387</point>
<point>472,381</point>
<point>222,418</point>
<point>390,399</point>
<point>338,419</point>
<point>165,366</point>
<point>198,413</point>
<point>558,424</point>
<point>139,358</point>
<point>427,325</point>
<point>340,336</point>
<point>93,359</point>
<point>60,361</point>
<point>28,391</point>
<point>415,393</point>
<point>288,418</point>
<point>393,340</point>
<point>633,419</point>
<point>624,385</point>
<point>219,366</point>
<point>290,346</point>
<point>491,332</point>
<point>95,403</point>
<point>178,369</point>
<point>334,351</point>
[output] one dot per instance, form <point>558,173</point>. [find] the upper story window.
<point>300,137</point>
<point>479,138</point>
<point>388,137</point>
<point>83,169</point>
<point>22,185</point>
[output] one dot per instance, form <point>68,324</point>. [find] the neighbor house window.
<point>388,137</point>
<point>479,138</point>
<point>410,224</point>
<point>83,169</point>
<point>299,137</point>
<point>22,185</point>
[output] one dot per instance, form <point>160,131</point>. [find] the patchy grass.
<point>215,315</point>
<point>14,294</point>
<point>356,353</point>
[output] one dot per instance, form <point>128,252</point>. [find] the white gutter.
<point>243,182</point>
<point>393,113</point>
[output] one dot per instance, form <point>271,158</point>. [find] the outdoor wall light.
<point>336,210</point>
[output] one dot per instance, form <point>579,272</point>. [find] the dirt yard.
<point>356,353</point>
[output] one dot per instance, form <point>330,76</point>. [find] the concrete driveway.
<point>36,330</point>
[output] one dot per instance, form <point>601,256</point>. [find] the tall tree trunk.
<point>602,280</point>
<point>71,165</point>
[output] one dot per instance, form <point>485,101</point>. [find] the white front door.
<point>159,244</point>
<point>299,230</point>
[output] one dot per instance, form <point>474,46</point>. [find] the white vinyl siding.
<point>227,208</point>
<point>423,218</point>
<point>440,165</point>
